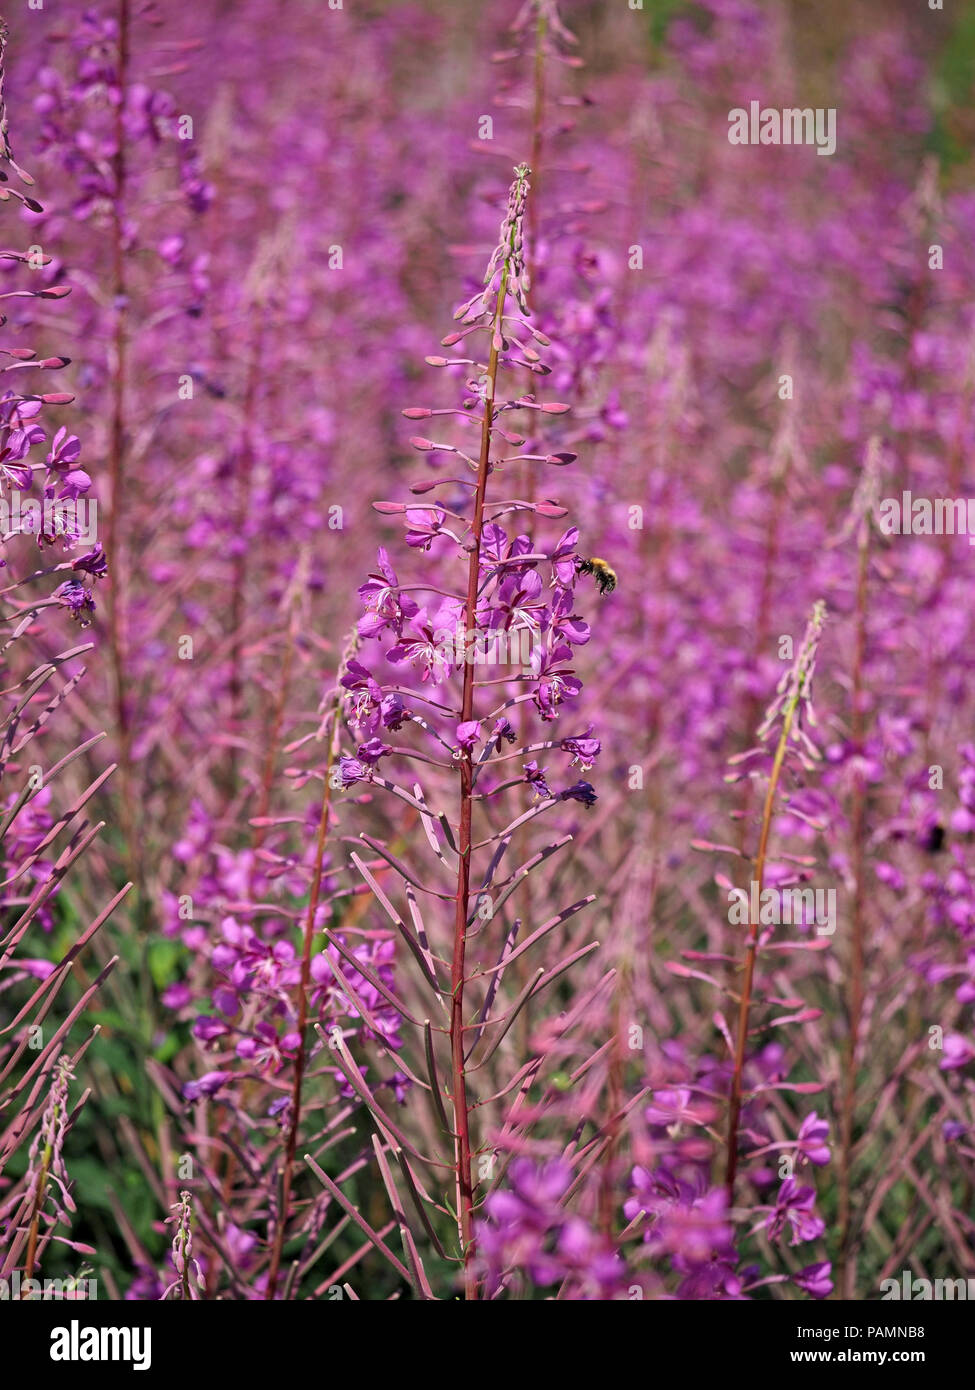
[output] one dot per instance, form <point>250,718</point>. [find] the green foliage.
<point>953,83</point>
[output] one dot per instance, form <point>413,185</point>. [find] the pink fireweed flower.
<point>385,606</point>
<point>815,1279</point>
<point>535,778</point>
<point>679,1107</point>
<point>812,1146</point>
<point>77,600</point>
<point>468,734</point>
<point>794,1208</point>
<point>584,749</point>
<point>959,1051</point>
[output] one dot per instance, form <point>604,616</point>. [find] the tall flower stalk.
<point>789,712</point>
<point>452,642</point>
<point>330,731</point>
<point>505,274</point>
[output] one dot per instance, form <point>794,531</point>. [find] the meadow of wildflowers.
<point>487,741</point>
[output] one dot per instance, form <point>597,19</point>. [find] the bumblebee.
<point>934,840</point>
<point>604,577</point>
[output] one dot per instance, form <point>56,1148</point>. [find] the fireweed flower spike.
<point>793,700</point>
<point>504,592</point>
<point>112,138</point>
<point>790,712</point>
<point>48,1198</point>
<point>505,274</point>
<point>189,1279</point>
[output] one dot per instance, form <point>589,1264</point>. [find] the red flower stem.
<point>114,543</point>
<point>465,1187</point>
